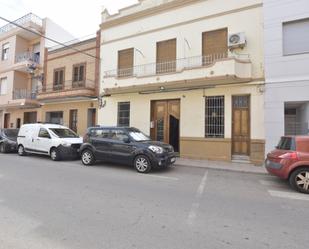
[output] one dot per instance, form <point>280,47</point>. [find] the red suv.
<point>290,160</point>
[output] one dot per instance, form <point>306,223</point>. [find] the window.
<point>5,51</point>
<point>58,79</point>
<point>3,86</point>
<point>99,133</point>
<point>124,114</point>
<point>79,72</point>
<point>118,135</point>
<point>296,37</point>
<point>43,133</point>
<point>166,56</point>
<point>214,45</point>
<point>73,120</point>
<point>54,117</point>
<point>125,62</point>
<point>214,117</point>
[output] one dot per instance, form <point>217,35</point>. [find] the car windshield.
<point>64,133</point>
<point>11,133</point>
<point>138,136</point>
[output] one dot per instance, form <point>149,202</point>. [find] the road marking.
<point>195,206</point>
<point>289,195</point>
<point>162,177</point>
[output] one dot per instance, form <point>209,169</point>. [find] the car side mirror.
<point>126,140</point>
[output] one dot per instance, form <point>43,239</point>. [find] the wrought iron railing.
<point>67,86</point>
<point>27,56</point>
<point>24,94</point>
<point>171,66</point>
<point>22,21</point>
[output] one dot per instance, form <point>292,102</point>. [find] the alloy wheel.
<point>302,180</point>
<point>141,164</point>
<point>53,155</point>
<point>87,157</point>
<point>21,150</point>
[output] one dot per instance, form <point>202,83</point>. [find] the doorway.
<point>6,120</point>
<point>241,125</point>
<point>91,120</point>
<point>165,122</point>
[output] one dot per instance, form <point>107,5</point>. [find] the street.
<point>46,204</point>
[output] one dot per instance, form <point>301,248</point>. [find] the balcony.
<point>26,61</point>
<point>22,98</point>
<point>68,90</point>
<point>28,21</point>
<point>198,71</point>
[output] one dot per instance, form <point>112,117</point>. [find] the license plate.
<point>173,160</point>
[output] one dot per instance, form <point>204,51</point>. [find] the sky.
<point>79,17</point>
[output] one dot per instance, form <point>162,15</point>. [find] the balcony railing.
<point>24,94</point>
<point>67,86</point>
<point>22,21</point>
<point>27,56</point>
<point>171,66</point>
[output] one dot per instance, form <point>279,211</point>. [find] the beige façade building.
<point>187,72</point>
<point>22,52</point>
<point>69,92</point>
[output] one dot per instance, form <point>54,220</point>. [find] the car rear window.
<point>11,133</point>
<point>286,143</point>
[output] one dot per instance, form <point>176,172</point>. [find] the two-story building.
<point>189,73</point>
<point>286,69</point>
<point>22,52</point>
<point>69,92</point>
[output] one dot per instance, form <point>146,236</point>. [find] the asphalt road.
<point>64,205</point>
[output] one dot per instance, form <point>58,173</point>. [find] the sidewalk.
<point>229,166</point>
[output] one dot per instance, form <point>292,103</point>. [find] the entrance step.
<point>240,159</point>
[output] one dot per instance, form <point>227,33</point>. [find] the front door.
<point>6,120</point>
<point>165,121</point>
<point>241,125</point>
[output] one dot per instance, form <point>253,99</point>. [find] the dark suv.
<point>125,146</point>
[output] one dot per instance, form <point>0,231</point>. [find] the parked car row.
<point>112,144</point>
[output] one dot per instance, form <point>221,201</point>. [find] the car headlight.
<point>66,144</point>
<point>156,149</point>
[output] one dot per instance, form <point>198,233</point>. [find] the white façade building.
<point>286,26</point>
<point>189,73</point>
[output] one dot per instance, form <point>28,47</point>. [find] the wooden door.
<point>73,120</point>
<point>241,125</point>
<point>7,120</point>
<point>165,120</point>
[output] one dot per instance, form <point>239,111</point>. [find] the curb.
<point>262,172</point>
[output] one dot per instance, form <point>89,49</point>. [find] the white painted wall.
<point>287,77</point>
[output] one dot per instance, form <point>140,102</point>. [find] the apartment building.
<point>69,92</point>
<point>21,67</point>
<point>189,73</point>
<point>286,69</point>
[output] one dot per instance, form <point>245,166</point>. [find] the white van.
<point>57,141</point>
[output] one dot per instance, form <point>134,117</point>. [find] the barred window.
<point>124,114</point>
<point>214,116</point>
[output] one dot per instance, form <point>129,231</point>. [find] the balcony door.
<point>214,45</point>
<point>166,56</point>
<point>165,121</point>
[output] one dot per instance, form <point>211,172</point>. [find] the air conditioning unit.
<point>237,40</point>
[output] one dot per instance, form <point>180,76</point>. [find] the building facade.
<point>286,69</point>
<point>22,67</point>
<point>189,73</point>
<point>69,92</point>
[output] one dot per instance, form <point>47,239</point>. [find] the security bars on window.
<point>214,117</point>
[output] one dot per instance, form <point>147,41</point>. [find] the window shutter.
<point>166,56</point>
<point>214,45</point>
<point>125,62</point>
<point>81,73</point>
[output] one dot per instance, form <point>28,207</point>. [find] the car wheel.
<point>2,148</point>
<point>142,164</point>
<point>88,157</point>
<point>21,150</point>
<point>55,154</point>
<point>299,180</point>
